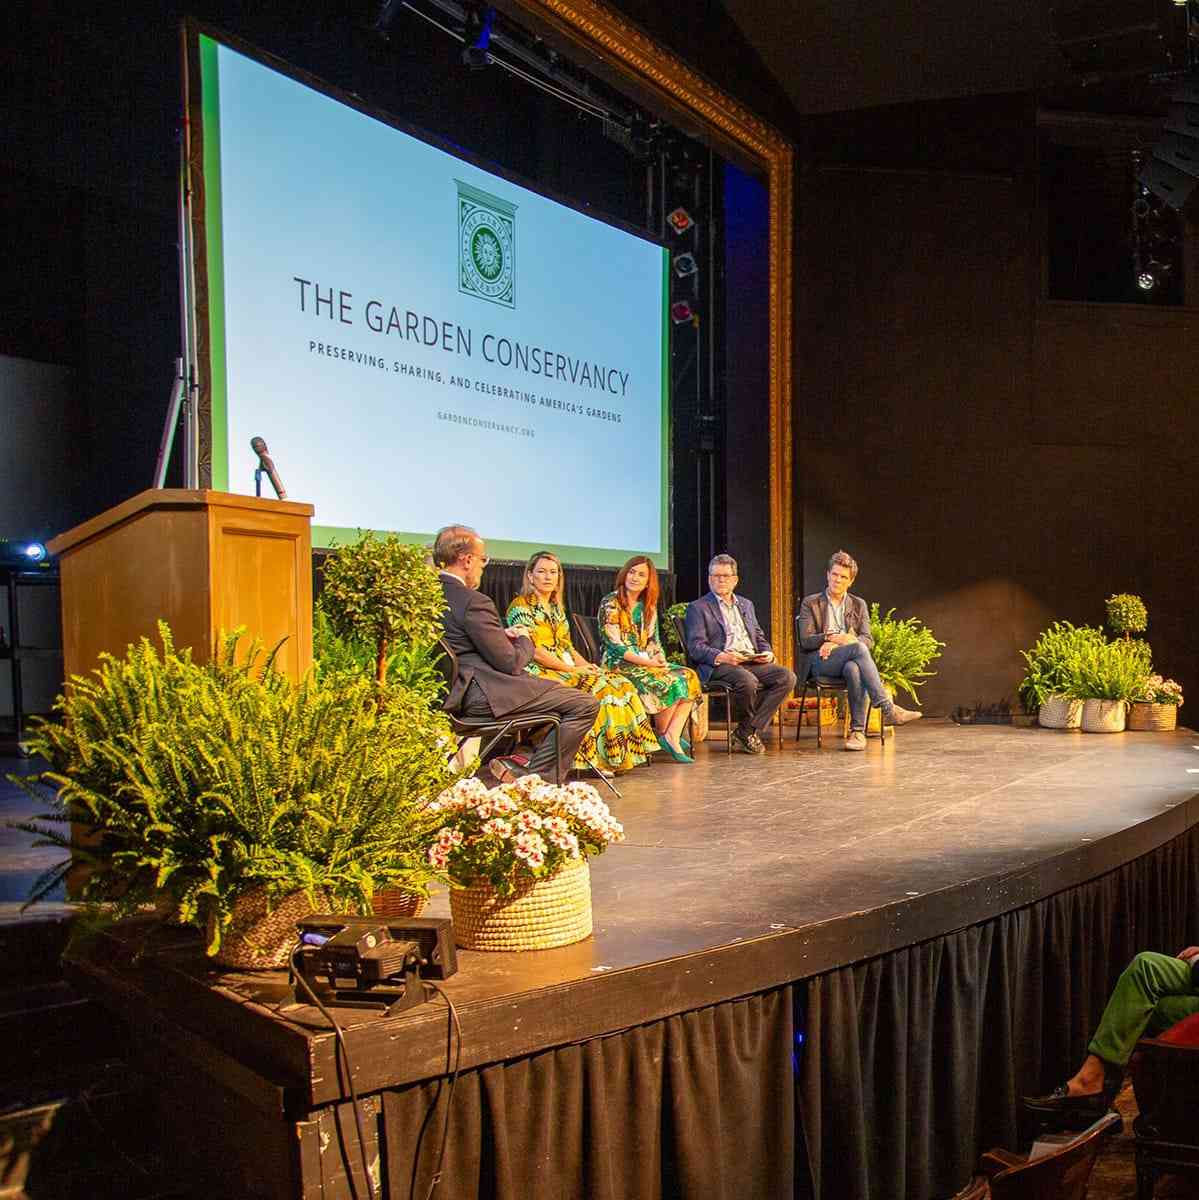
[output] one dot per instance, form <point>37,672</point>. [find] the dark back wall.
<point>994,461</point>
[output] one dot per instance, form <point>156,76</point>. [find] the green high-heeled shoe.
<point>678,755</point>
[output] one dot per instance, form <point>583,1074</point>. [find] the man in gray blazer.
<point>834,631</point>
<point>492,681</point>
<point>726,643</point>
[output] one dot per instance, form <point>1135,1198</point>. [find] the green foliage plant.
<point>902,650</point>
<point>1116,670</point>
<point>675,652</point>
<point>1126,613</point>
<point>202,782</point>
<point>409,667</point>
<point>1051,663</point>
<point>384,593</point>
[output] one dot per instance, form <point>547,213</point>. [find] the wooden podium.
<point>201,561</point>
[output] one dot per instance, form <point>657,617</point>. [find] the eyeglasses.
<point>722,575</point>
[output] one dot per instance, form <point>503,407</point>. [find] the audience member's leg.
<point>1146,981</point>
<point>1153,992</point>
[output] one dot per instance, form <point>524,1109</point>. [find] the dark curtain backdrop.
<point>881,1080</point>
<point>585,586</point>
<point>699,1105</point>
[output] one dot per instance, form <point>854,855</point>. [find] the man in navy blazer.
<point>727,645</point>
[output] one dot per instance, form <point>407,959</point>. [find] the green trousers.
<point>1153,993</point>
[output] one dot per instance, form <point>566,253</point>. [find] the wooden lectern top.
<point>154,498</point>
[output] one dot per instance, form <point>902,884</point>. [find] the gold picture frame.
<point>664,81</point>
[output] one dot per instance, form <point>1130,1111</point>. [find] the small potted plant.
<point>517,857</point>
<point>1126,614</point>
<point>902,652</point>
<point>383,596</point>
<point>1157,706</point>
<point>676,653</point>
<point>1107,678</point>
<point>241,799</point>
<point>1049,670</point>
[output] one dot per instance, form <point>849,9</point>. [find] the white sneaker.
<point>901,716</point>
<point>856,740</point>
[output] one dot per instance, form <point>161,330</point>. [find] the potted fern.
<point>1107,678</point>
<point>902,651</point>
<point>241,798</point>
<point>1049,671</point>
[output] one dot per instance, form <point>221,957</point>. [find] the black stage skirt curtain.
<point>701,1106</point>
<point>914,1062</point>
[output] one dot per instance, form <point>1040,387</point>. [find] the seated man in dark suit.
<point>834,632</point>
<point>727,645</point>
<point>492,681</point>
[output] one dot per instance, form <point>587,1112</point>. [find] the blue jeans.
<point>854,664</point>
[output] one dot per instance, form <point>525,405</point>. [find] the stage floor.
<point>742,874</point>
<point>734,849</point>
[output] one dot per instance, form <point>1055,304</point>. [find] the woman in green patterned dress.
<point>628,621</point>
<point>622,736</point>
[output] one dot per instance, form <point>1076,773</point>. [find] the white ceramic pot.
<point>1060,712</point>
<point>1104,716</point>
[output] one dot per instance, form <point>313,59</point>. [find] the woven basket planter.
<point>1146,716</point>
<point>1104,716</point>
<point>1060,712</point>
<point>262,933</point>
<point>543,913</point>
<point>396,902</point>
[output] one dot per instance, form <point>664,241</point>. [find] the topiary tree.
<point>1127,613</point>
<point>383,593</point>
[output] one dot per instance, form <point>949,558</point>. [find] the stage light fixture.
<point>680,220</point>
<point>1153,275</point>
<point>373,962</point>
<point>22,553</point>
<point>477,36</point>
<point>681,312</point>
<point>685,265</point>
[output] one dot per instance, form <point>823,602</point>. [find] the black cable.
<point>455,1027</point>
<point>345,1053</point>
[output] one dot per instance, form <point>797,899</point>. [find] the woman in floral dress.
<point>622,736</point>
<point>628,621</point>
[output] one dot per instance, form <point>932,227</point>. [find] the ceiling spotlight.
<point>680,220</point>
<point>1152,276</point>
<point>681,312</point>
<point>477,37</point>
<point>684,265</point>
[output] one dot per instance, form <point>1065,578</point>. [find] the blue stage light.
<point>23,554</point>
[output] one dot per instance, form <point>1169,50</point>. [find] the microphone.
<point>258,445</point>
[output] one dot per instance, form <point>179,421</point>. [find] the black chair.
<point>1166,1081</point>
<point>469,727</point>
<point>711,688</point>
<point>586,633</point>
<point>822,685</point>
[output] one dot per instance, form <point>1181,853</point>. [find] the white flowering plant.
<point>519,831</point>
<point>1162,691</point>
